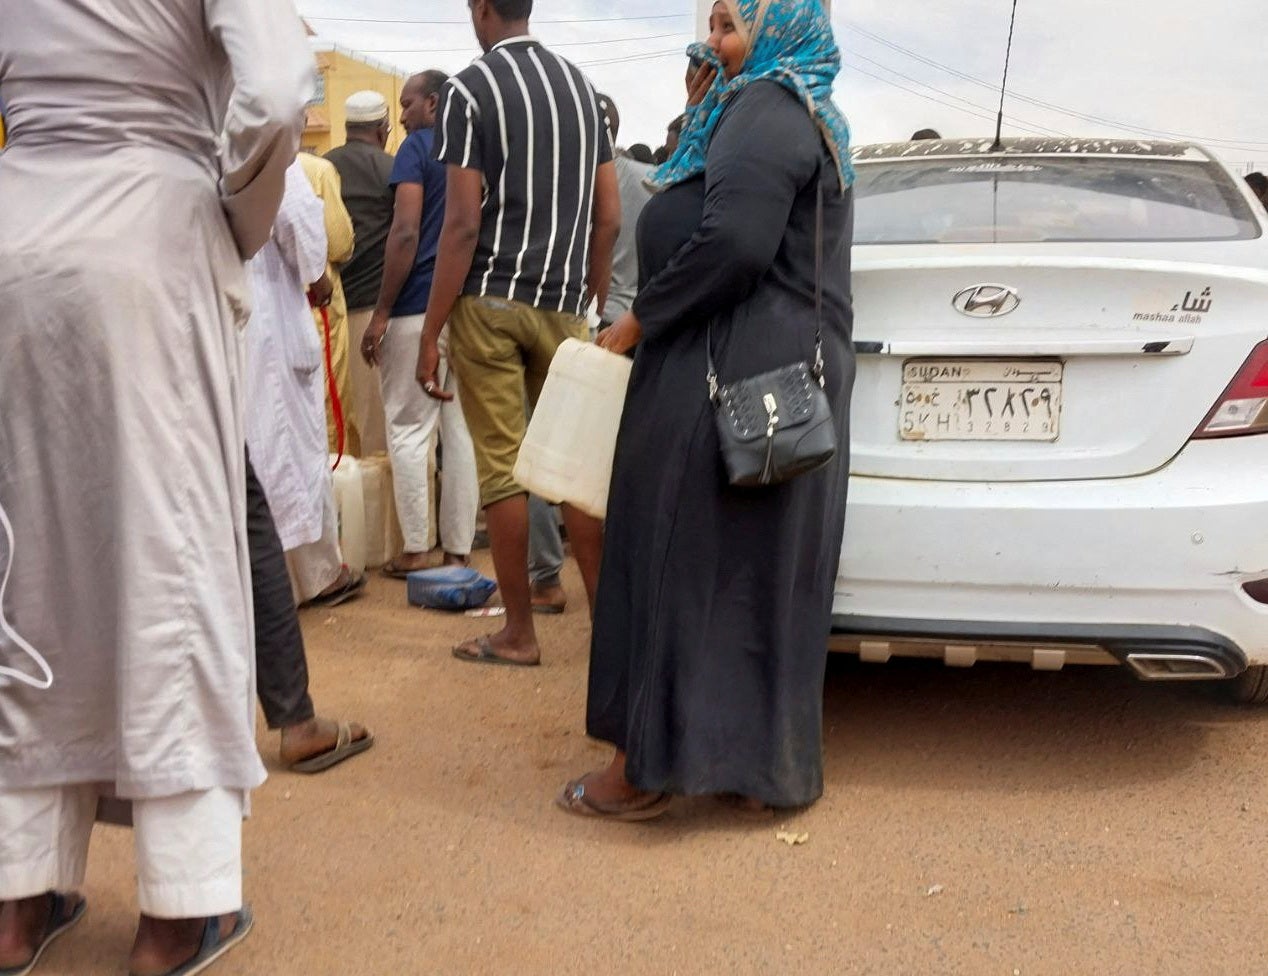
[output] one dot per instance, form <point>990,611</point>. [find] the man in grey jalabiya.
<point>145,162</point>
<point>365,172</point>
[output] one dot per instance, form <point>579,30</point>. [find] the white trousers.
<point>188,848</point>
<point>316,566</point>
<point>413,419</point>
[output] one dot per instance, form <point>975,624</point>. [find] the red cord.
<point>336,405</point>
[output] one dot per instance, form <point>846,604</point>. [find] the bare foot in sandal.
<point>346,587</point>
<point>186,944</point>
<point>30,925</point>
<point>320,739</point>
<point>407,562</point>
<point>504,648</point>
<point>607,794</point>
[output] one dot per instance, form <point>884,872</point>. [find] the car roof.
<point>1028,146</point>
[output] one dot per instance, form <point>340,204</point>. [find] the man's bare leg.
<point>508,539</point>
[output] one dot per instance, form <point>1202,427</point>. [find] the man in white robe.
<point>285,397</point>
<point>146,158</point>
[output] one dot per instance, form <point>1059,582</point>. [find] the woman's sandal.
<point>647,807</point>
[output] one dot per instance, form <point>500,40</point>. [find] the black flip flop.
<point>487,655</point>
<point>574,800</point>
<point>58,924</point>
<point>348,591</point>
<point>345,748</point>
<point>213,946</point>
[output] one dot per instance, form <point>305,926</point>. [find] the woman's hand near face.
<point>622,336</point>
<point>701,82</point>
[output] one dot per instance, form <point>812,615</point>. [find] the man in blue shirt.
<point>391,344</point>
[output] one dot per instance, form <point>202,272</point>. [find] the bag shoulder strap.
<point>818,364</point>
<point>817,368</point>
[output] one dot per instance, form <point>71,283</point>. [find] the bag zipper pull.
<point>773,417</point>
<point>768,401</point>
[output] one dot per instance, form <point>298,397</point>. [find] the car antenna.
<point>1003,88</point>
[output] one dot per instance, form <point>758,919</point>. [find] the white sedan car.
<point>1060,424</point>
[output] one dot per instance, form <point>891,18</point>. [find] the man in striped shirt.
<point>532,213</point>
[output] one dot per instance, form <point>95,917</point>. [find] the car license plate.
<point>980,400</point>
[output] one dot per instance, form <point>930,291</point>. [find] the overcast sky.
<point>1155,67</point>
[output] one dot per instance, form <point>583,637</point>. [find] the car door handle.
<point>1025,348</point>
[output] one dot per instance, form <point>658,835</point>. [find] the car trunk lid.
<point>1123,358</point>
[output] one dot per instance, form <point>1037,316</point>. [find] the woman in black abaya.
<point>714,603</point>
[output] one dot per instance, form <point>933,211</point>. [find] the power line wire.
<point>983,114</point>
<point>1034,126</point>
<point>429,23</point>
<point>1050,106</point>
<point>649,56</point>
<point>472,46</point>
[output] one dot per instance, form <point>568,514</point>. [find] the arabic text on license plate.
<point>980,400</point>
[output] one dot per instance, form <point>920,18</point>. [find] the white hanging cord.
<point>11,674</point>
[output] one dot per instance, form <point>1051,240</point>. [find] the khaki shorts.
<point>501,351</point>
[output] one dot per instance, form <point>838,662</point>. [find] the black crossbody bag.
<point>777,425</point>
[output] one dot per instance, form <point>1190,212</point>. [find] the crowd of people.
<point>181,295</point>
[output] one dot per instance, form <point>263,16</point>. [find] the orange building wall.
<point>343,74</point>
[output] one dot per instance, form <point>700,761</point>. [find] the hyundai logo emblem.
<point>986,301</point>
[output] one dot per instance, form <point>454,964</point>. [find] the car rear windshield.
<point>1044,198</point>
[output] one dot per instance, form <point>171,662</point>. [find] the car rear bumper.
<point>1121,564</point>
<point>1154,653</point>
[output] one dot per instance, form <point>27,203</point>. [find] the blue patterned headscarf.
<point>790,42</point>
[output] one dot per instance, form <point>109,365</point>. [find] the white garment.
<point>316,566</point>
<point>146,156</point>
<point>285,382</point>
<point>188,848</point>
<point>413,419</point>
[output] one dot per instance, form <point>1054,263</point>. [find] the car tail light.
<point>1243,408</point>
<point>1257,590</point>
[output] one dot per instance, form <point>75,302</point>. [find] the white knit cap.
<point>365,106</point>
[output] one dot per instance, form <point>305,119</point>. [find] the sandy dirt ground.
<point>992,821</point>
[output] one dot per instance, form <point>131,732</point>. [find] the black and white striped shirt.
<point>530,121</point>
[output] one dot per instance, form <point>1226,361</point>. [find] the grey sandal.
<point>58,924</point>
<point>213,946</point>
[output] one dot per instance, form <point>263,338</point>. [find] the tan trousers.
<point>366,398</point>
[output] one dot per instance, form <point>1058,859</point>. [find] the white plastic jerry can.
<point>382,527</point>
<point>570,444</point>
<point>350,504</point>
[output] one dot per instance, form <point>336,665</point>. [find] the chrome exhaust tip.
<point>1156,666</point>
